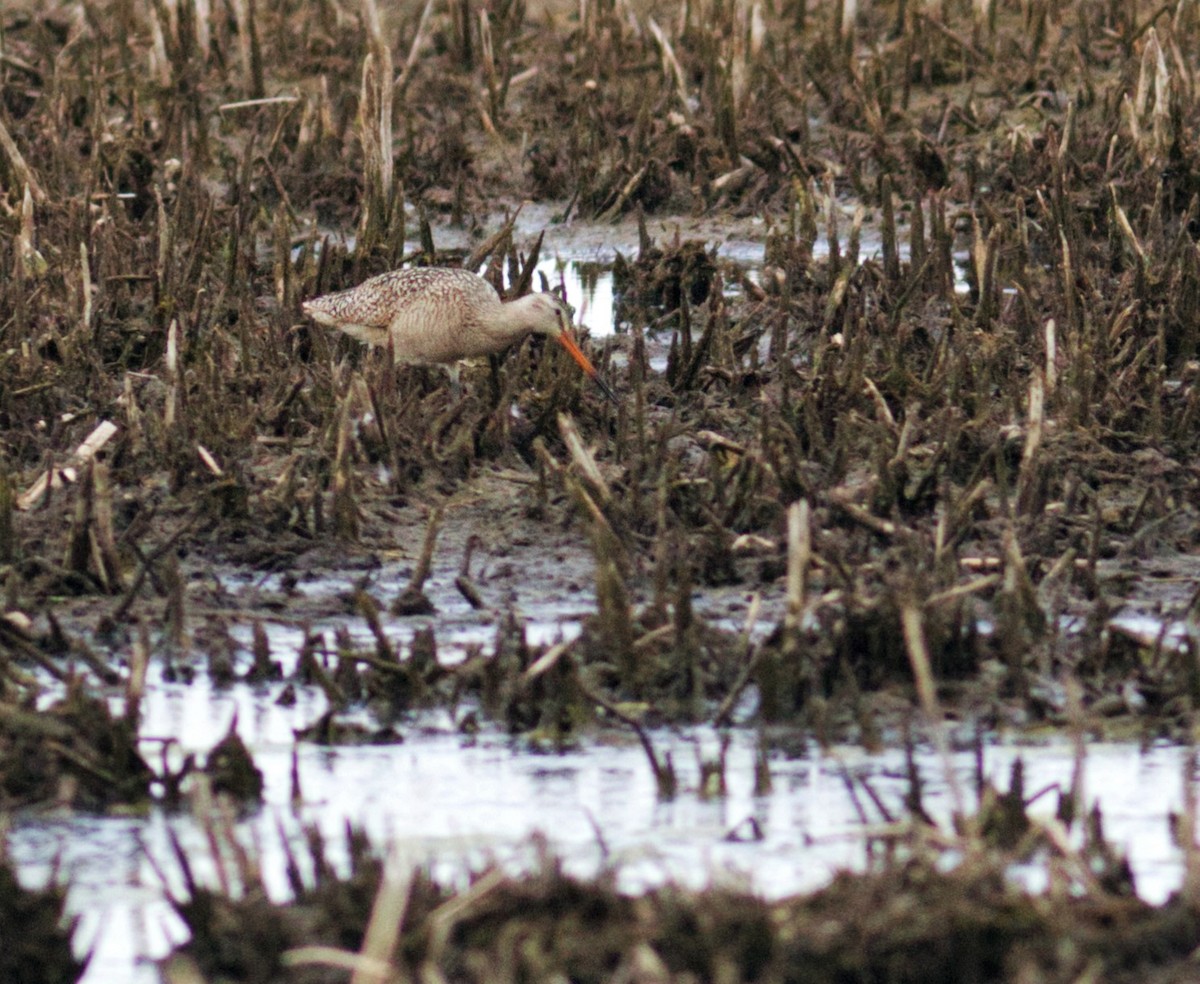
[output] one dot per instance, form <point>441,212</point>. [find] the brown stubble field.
<point>956,406</point>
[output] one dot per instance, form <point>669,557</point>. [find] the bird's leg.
<point>494,363</point>
<point>454,374</point>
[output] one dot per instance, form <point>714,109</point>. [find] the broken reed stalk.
<point>135,686</point>
<point>414,49</point>
<point>1072,805</point>
<point>30,264</point>
<point>382,935</point>
<point>425,562</point>
<point>1051,336</point>
<point>260,650</point>
<point>172,365</point>
<point>79,551</point>
<point>913,628</point>
<point>413,600</point>
<point>847,14</point>
<point>584,460</point>
<point>245,12</point>
<point>369,609</point>
<point>383,202</point>
<point>22,175</point>
<point>891,248</point>
<point>1028,475</point>
<point>763,784</point>
<point>158,56</point>
<point>831,231</point>
<point>713,783</point>
<point>463,582</point>
<point>671,67</point>
<point>375,131</point>
<point>85,284</point>
<point>798,560</point>
<point>489,67</point>
<point>344,505</point>
<point>176,614</point>
<point>102,535</point>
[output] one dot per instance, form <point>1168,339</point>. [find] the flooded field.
<point>460,805</point>
<point>843,626</point>
<point>437,790</point>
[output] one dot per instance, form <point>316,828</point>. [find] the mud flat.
<point>903,322</point>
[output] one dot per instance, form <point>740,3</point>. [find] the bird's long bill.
<point>586,364</point>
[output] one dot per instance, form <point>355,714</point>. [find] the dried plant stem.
<point>22,175</point>
<point>383,930</point>
<point>1027,477</point>
<point>345,505</point>
<point>414,50</point>
<point>912,625</point>
<point>584,460</point>
<point>118,614</point>
<point>362,968</point>
<point>412,600</point>
<point>663,769</point>
<point>799,559</point>
<point>252,68</point>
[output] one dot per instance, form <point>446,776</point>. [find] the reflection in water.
<point>588,287</point>
<point>453,801</point>
<point>579,257</point>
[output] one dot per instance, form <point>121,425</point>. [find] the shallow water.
<point>578,256</point>
<point>455,802</point>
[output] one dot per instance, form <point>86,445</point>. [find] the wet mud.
<point>905,346</point>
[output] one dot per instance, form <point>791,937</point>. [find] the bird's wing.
<point>363,312</point>
<point>430,329</point>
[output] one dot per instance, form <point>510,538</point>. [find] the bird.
<point>443,314</point>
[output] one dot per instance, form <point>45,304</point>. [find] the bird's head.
<point>547,313</point>
<point>550,315</point>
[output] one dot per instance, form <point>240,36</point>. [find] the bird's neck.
<point>514,320</point>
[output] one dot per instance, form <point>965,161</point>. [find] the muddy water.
<point>455,801</point>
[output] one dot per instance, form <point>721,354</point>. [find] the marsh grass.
<point>37,930</point>
<point>911,916</point>
<point>991,423</point>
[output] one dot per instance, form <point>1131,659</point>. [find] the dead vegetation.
<point>929,453</point>
<point>978,453</point>
<point>911,918</point>
<point>35,932</point>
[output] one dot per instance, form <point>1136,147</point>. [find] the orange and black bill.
<point>586,364</point>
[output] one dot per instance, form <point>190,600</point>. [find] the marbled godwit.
<point>432,314</point>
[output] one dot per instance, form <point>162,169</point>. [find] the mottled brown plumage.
<point>433,314</point>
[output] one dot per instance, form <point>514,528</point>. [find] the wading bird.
<point>434,314</point>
